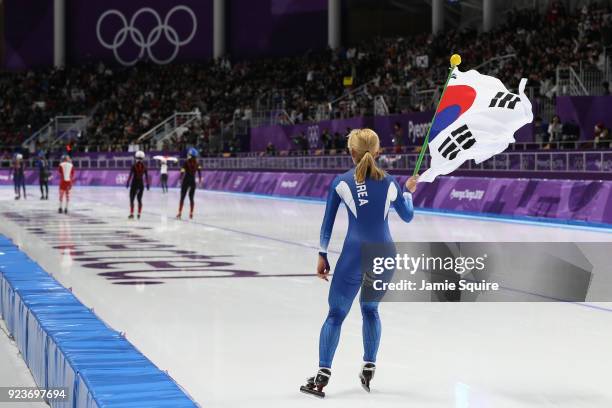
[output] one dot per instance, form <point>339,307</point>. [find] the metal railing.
<point>501,58</point>
<point>168,128</point>
<point>269,117</point>
<point>510,161</point>
<point>56,130</point>
<point>569,82</point>
<point>582,161</point>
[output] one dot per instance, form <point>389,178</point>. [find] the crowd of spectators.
<point>124,103</point>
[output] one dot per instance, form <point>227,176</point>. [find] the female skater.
<point>367,193</point>
<point>136,182</point>
<point>66,171</point>
<point>18,170</point>
<point>188,184</point>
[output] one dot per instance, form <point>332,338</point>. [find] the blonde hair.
<point>364,145</point>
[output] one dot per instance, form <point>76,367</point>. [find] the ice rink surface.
<point>228,304</point>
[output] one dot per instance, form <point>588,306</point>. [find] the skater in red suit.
<point>138,178</point>
<point>188,183</point>
<point>66,171</point>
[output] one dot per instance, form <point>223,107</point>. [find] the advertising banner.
<point>564,200</point>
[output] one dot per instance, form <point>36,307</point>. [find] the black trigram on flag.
<point>459,139</point>
<point>505,100</point>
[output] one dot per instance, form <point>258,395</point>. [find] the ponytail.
<point>367,167</point>
<point>364,145</point>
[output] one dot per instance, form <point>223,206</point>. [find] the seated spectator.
<point>601,136</point>
<point>301,142</point>
<point>397,136</point>
<point>555,130</point>
<point>571,133</point>
<point>539,132</point>
<point>271,149</point>
<point>326,140</point>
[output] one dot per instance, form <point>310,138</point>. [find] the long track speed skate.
<point>366,375</point>
<point>314,385</point>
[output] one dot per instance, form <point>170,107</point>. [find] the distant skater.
<point>66,172</point>
<point>188,183</point>
<point>163,170</point>
<point>43,175</point>
<point>138,178</point>
<point>368,193</point>
<point>18,170</point>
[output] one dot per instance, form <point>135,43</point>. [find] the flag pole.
<point>455,60</point>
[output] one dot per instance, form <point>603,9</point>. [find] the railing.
<point>269,117</point>
<point>537,161</point>
<point>596,162</point>
<point>593,78</point>
<point>43,134</point>
<point>501,58</point>
<point>56,130</point>
<point>169,127</point>
<point>570,83</point>
<point>67,127</point>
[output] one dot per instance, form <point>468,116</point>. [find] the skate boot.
<point>60,210</point>
<point>191,216</point>
<point>314,385</point>
<point>178,216</point>
<point>138,216</point>
<point>366,375</point>
<point>131,217</point>
<point>66,210</point>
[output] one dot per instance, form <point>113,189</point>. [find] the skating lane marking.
<point>601,308</point>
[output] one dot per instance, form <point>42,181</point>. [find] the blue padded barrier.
<point>66,345</point>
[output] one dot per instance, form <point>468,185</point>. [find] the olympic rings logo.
<point>146,42</point>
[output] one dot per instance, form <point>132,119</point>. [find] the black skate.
<point>366,375</point>
<point>60,210</point>
<point>138,216</point>
<point>131,217</point>
<point>65,210</point>
<point>314,385</point>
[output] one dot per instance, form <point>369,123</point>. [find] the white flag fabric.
<point>165,159</point>
<point>476,119</point>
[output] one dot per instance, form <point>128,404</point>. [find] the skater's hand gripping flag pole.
<point>476,119</point>
<point>455,60</point>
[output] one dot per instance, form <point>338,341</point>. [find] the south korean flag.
<point>476,119</point>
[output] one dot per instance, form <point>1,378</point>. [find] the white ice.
<point>14,372</point>
<point>251,341</point>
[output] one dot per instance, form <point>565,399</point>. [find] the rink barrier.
<point>587,202</point>
<point>573,202</point>
<point>65,344</point>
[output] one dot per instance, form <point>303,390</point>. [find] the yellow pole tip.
<point>455,60</point>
